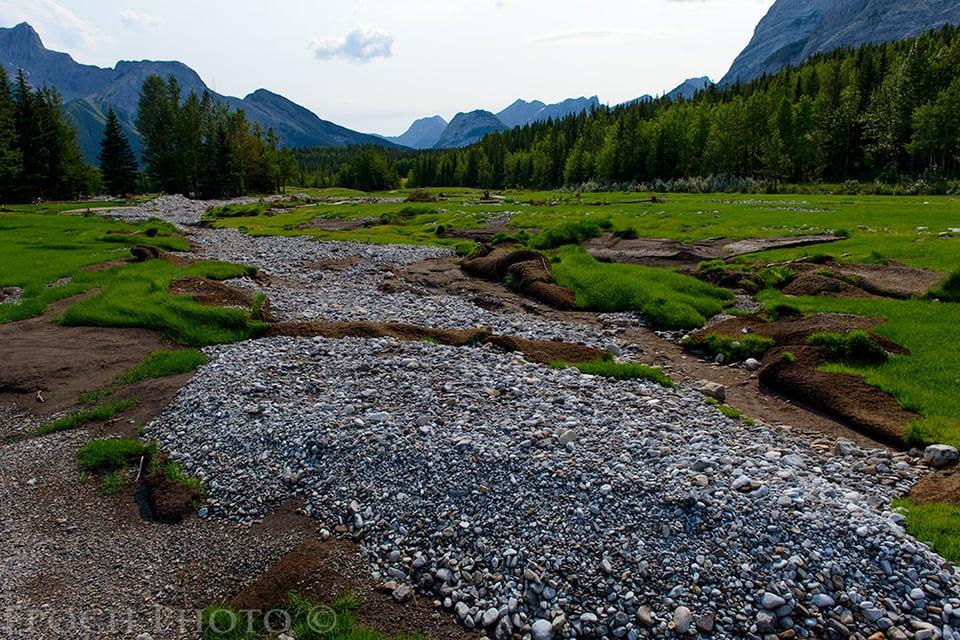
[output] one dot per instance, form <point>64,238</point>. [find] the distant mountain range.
<point>88,91</point>
<point>467,128</point>
<point>794,30</point>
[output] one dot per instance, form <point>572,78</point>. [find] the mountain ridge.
<point>88,91</point>
<point>794,30</point>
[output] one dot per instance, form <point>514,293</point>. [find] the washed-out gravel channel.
<point>540,502</point>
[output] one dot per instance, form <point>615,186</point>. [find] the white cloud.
<point>58,27</point>
<point>130,19</point>
<point>363,44</point>
<point>589,35</point>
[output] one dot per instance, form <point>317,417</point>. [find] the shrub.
<point>421,195</point>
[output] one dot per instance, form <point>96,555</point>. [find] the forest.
<point>885,113</point>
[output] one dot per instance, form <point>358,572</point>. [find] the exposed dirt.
<point>663,252</point>
<point>942,486</point>
<point>850,279</point>
<point>211,292</point>
<point>322,570</point>
<point>845,397</point>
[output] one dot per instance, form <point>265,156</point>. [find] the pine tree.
<point>118,164</point>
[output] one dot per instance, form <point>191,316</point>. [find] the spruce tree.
<point>118,164</point>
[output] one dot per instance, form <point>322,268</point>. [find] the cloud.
<point>363,44</point>
<point>59,27</point>
<point>130,19</point>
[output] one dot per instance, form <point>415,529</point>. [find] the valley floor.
<point>523,499</point>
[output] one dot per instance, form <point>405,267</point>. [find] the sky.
<point>377,65</point>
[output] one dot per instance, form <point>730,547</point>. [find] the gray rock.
<point>714,390</point>
<point>542,630</point>
<point>771,601</point>
<point>751,364</point>
<point>403,593</point>
<point>941,455</point>
<point>490,616</point>
<point>682,619</point>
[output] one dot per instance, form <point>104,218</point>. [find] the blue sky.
<point>376,65</point>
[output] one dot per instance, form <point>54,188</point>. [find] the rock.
<point>706,623</point>
<point>403,593</point>
<point>766,622</point>
<point>682,618</point>
<point>490,616</point>
<point>771,601</point>
<point>645,616</point>
<point>846,448</point>
<point>751,364</point>
<point>822,600</point>
<point>700,480</point>
<point>714,390</point>
<point>941,455</point>
<point>542,630</point>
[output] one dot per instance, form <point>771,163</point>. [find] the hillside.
<point>467,128</point>
<point>794,30</point>
<point>88,91</point>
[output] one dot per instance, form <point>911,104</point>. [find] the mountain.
<point>467,128</point>
<point>685,90</point>
<point>89,91</point>
<point>689,87</point>
<point>520,112</point>
<point>422,134</point>
<point>793,30</point>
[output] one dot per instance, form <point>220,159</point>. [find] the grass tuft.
<point>621,371</point>
<point>112,453</point>
<point>935,524</point>
<point>854,348</point>
<point>78,419</point>
<point>668,300</point>
<point>746,346</point>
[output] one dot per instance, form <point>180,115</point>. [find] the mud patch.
<point>663,252</point>
<point>321,571</point>
<point>852,279</point>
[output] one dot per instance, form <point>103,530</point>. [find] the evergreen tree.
<point>118,164</point>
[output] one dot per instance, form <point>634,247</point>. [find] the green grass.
<point>113,483</point>
<point>739,348</point>
<point>925,381</point>
<point>304,620</point>
<point>607,368</point>
<point>568,232</point>
<point>935,524</point>
<point>163,363</point>
<point>668,300</point>
<point>37,250</point>
<point>853,348</point>
<point>949,291</point>
<point>731,412</point>
<point>78,419</point>
<point>137,295</point>
<point>112,453</point>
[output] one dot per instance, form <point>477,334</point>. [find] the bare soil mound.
<point>528,271</point>
<point>796,330</point>
<point>852,279</point>
<point>170,502</point>
<point>942,486</point>
<point>844,396</point>
<point>212,292</point>
<point>663,252</point>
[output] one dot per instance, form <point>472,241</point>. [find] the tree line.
<point>197,146</point>
<point>40,153</point>
<point>887,112</point>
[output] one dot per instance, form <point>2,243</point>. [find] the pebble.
<point>560,497</point>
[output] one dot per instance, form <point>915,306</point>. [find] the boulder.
<point>941,455</point>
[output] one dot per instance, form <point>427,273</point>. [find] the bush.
<point>421,195</point>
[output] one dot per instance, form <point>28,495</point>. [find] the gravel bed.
<point>537,502</point>
<point>528,498</point>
